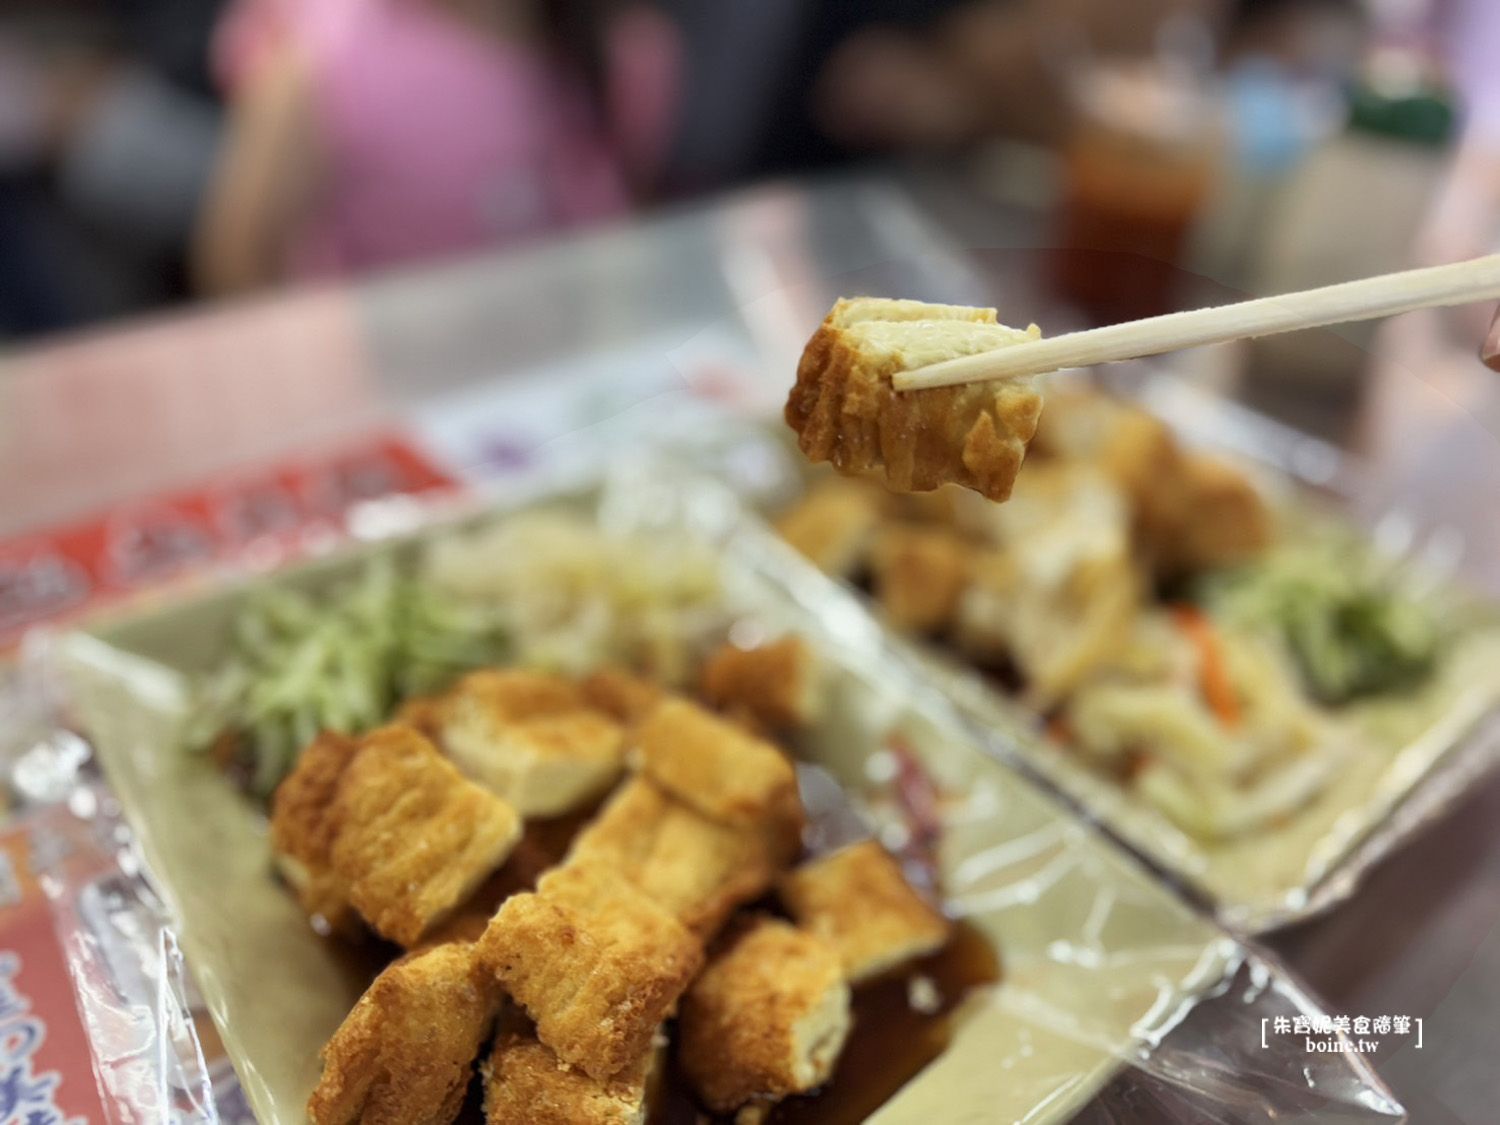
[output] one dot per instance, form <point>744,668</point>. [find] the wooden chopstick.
<point>1369,299</point>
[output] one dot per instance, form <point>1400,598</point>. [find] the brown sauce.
<point>891,1042</point>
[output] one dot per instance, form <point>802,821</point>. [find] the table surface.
<point>204,394</point>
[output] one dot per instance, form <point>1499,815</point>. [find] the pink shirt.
<point>435,140</point>
<point>1475,43</point>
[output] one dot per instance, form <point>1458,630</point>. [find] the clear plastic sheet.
<point>1191,1075</point>
<point>132,990</point>
<point>128,976</point>
<point>1144,1009</point>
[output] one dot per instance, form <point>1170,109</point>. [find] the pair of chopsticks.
<point>1461,283</point>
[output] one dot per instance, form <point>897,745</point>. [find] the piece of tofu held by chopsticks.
<point>846,409</point>
<point>929,394</point>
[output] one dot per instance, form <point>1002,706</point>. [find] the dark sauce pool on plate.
<point>890,1043</point>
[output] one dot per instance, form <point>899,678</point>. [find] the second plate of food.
<point>1218,666</point>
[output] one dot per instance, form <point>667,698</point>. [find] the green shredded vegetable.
<point>1349,623</point>
<point>339,660</point>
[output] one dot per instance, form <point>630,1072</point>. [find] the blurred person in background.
<point>1286,71</point>
<point>107,133</point>
<point>1288,65</point>
<point>790,85</point>
<point>1465,219</point>
<point>987,67</point>
<point>366,134</point>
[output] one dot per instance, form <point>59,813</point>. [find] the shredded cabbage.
<point>1350,626</point>
<point>340,660</point>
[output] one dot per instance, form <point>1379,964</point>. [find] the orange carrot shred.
<point>1213,675</point>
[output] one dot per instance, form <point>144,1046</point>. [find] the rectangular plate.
<point>1428,744</point>
<point>1099,959</point>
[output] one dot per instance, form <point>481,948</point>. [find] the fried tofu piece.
<point>303,828</point>
<point>919,575</point>
<point>858,901</point>
<point>846,410</point>
<point>725,773</point>
<point>405,1054</point>
<point>833,525</point>
<point>543,767</point>
<point>466,925</point>
<point>516,694</point>
<point>1132,447</point>
<point>766,1019</point>
<point>1135,448</point>
<point>623,696</point>
<point>944,506</point>
<point>1143,457</point>
<point>532,740</point>
<point>595,963</point>
<point>775,684</point>
<point>1075,424</point>
<point>1060,598</point>
<point>697,869</point>
<point>1226,519</point>
<point>421,713</point>
<point>525,1083</point>
<point>1056,635</point>
<point>414,837</point>
<point>1190,511</point>
<point>1175,496</point>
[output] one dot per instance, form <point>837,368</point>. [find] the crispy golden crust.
<point>833,525</point>
<point>515,694</point>
<point>697,869</point>
<point>466,925</point>
<point>302,826</point>
<point>858,901</point>
<point>775,684</point>
<point>545,766</point>
<point>767,1018</point>
<point>594,962</point>
<point>422,713</point>
<point>532,740</point>
<point>714,766</point>
<point>414,837</point>
<point>525,1083</point>
<point>405,1054</point>
<point>582,736</point>
<point>920,574</point>
<point>846,411</point>
<point>623,696</point>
